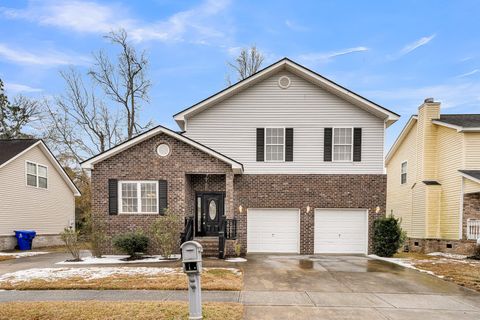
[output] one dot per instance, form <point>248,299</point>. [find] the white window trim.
<point>139,196</point>
<point>265,144</point>
<point>333,145</point>
<point>36,175</point>
<point>406,172</point>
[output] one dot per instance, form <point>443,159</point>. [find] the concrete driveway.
<point>349,287</point>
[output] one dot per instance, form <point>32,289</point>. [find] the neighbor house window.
<point>403,176</point>
<point>342,144</point>
<point>37,175</point>
<point>274,144</point>
<point>138,196</point>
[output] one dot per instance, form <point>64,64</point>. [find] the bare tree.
<point>16,115</point>
<point>81,124</point>
<point>247,63</point>
<point>124,81</point>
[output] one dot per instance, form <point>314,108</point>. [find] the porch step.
<point>209,244</point>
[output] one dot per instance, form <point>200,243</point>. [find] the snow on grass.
<point>238,259</point>
<point>52,274</point>
<point>17,255</point>
<point>116,259</point>
<point>406,263</point>
<point>447,255</point>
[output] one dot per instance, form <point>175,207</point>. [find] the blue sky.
<point>395,53</point>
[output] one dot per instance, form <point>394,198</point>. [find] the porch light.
<point>377,209</point>
<point>308,209</point>
<point>240,208</point>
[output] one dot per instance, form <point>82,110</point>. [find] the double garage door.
<point>335,231</point>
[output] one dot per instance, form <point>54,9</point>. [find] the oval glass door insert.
<point>212,209</point>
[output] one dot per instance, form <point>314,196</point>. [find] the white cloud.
<point>198,24</point>
<point>415,45</point>
<point>15,88</point>
<point>467,74</point>
<point>452,95</point>
<point>295,26</point>
<point>325,57</point>
<point>45,58</point>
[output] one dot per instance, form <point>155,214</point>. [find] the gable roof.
<point>16,147</point>
<point>401,137</point>
<point>11,148</point>
<point>287,64</point>
<point>237,167</point>
<point>460,122</point>
<point>473,175</point>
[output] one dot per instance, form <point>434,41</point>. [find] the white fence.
<point>473,229</point>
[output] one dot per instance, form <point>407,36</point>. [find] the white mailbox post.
<point>192,266</point>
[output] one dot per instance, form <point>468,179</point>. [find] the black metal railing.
<point>227,231</point>
<point>187,233</point>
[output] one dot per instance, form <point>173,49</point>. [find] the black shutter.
<point>357,144</point>
<point>112,196</point>
<point>288,144</point>
<point>260,144</point>
<point>327,144</point>
<point>162,196</point>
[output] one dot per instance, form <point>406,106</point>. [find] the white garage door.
<point>273,230</point>
<point>340,231</point>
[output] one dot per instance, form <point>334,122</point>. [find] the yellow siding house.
<point>433,180</point>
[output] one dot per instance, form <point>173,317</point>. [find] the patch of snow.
<point>404,263</point>
<point>116,259</point>
<point>448,255</point>
<point>51,274</point>
<point>238,259</point>
<point>22,254</point>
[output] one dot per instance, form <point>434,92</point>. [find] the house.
<point>35,193</point>
<point>294,162</point>
<point>433,185</point>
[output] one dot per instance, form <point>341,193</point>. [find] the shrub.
<point>388,236</point>
<point>238,248</point>
<point>132,243</point>
<point>70,238</point>
<point>97,237</point>
<point>166,231</point>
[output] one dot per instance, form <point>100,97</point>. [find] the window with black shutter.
<point>112,196</point>
<point>327,144</point>
<point>260,144</point>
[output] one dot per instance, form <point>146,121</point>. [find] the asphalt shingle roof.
<point>472,173</point>
<point>10,148</point>
<point>462,120</point>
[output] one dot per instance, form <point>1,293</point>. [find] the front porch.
<point>209,217</point>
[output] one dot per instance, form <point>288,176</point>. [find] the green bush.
<point>132,243</point>
<point>166,232</point>
<point>388,236</point>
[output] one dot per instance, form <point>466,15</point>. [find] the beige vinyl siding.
<point>46,211</point>
<point>399,196</point>
<point>229,127</point>
<point>450,160</point>
<point>433,208</point>
<point>470,186</point>
<point>472,150</point>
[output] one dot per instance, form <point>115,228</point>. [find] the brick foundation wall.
<point>317,191</point>
<point>465,247</point>
<point>141,162</point>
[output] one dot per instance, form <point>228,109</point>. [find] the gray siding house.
<point>284,161</point>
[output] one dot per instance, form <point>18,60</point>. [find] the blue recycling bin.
<point>25,238</point>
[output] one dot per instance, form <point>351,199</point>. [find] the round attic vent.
<point>284,82</point>
<point>163,150</point>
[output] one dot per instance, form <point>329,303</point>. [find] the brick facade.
<point>185,170</point>
<point>141,162</point>
<point>317,191</point>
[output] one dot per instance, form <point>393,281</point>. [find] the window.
<point>403,175</point>
<point>274,144</point>
<point>342,144</point>
<point>37,175</point>
<point>138,196</point>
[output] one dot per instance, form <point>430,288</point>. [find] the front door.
<point>209,211</point>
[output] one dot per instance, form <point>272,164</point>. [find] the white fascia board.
<point>456,127</point>
<point>466,176</point>
<point>400,138</point>
<point>89,164</point>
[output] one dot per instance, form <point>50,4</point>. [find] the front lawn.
<point>118,278</point>
<point>464,272</point>
<point>5,258</point>
<point>94,310</point>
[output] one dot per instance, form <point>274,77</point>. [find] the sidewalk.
<point>114,295</point>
